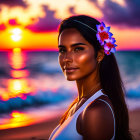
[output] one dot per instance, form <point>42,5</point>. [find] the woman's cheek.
<point>83,59</point>
<point>86,62</point>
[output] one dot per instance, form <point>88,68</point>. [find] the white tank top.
<point>68,131</point>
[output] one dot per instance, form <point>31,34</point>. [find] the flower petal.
<point>110,34</point>
<point>98,27</point>
<point>106,47</point>
<point>98,37</point>
<point>102,23</point>
<point>107,52</point>
<point>113,50</point>
<point>105,38</point>
<point>107,29</point>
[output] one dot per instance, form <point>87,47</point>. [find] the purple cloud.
<point>127,16</point>
<point>113,14</point>
<point>13,3</point>
<point>46,24</point>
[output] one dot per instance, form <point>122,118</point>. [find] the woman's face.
<point>76,54</point>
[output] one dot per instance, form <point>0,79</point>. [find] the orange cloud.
<point>23,15</point>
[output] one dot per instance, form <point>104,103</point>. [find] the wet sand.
<point>42,130</point>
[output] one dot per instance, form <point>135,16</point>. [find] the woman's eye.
<point>79,48</point>
<point>76,49</point>
<point>61,50</point>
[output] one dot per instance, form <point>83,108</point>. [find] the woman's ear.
<point>100,55</point>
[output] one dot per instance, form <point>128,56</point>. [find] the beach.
<point>42,130</point>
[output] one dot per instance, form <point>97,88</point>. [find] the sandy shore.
<point>41,131</point>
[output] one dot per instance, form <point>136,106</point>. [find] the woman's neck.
<point>88,86</point>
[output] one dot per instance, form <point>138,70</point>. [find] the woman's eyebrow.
<point>75,44</point>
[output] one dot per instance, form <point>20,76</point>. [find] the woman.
<point>99,112</point>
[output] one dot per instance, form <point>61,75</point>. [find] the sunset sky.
<point>33,24</point>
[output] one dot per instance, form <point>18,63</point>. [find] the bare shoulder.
<point>97,121</point>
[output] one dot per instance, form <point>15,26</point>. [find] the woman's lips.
<point>71,70</point>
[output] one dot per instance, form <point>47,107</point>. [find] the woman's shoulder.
<point>97,119</point>
<point>101,103</point>
<point>102,106</point>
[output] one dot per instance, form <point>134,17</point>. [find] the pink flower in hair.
<point>105,38</point>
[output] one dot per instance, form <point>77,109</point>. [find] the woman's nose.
<point>67,57</point>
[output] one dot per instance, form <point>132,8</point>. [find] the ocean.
<point>32,79</point>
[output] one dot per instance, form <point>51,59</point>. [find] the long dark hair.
<point>110,78</point>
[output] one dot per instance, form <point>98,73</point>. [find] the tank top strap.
<point>112,115</point>
<point>92,98</point>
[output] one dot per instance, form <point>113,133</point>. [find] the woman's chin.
<point>70,77</point>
